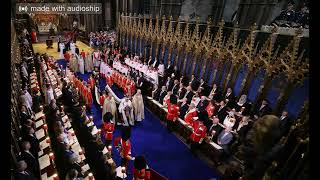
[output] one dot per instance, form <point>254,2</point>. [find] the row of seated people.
<point>223,116</point>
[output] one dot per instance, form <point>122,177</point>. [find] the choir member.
<point>73,47</point>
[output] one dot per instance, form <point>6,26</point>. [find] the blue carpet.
<point>164,152</point>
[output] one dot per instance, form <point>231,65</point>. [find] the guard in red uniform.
<point>198,134</point>
<point>108,128</point>
<point>123,144</point>
<point>191,114</point>
<point>173,113</point>
<point>141,169</point>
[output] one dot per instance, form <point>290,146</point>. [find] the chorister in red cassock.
<point>199,132</point>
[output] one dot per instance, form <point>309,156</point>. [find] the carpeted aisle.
<point>164,152</point>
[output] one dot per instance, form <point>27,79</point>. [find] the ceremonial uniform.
<point>108,129</point>
<point>172,115</point>
<point>141,174</point>
<point>188,118</point>
<point>198,134</point>
<point>125,150</point>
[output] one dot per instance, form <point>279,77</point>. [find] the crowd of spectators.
<point>294,16</point>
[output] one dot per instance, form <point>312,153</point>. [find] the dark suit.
<point>32,163</point>
<point>194,84</point>
<point>231,101</point>
<point>262,111</point>
<point>21,176</point>
<point>35,145</point>
<point>24,117</point>
<point>202,105</point>
<point>225,139</point>
<point>161,96</point>
<point>182,93</point>
<point>156,94</point>
<point>184,81</point>
<point>189,96</point>
<point>183,110</point>
<point>285,125</point>
<point>204,89</point>
<point>176,74</point>
<point>217,95</point>
<point>175,89</point>
<point>169,84</point>
<point>222,113</point>
<point>217,128</point>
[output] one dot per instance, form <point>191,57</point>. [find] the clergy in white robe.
<point>88,62</point>
<point>61,46</point>
<point>126,110</point>
<point>73,47</point>
<point>109,105</point>
<point>49,94</point>
<point>96,58</point>
<point>161,69</point>
<point>74,63</point>
<point>138,106</point>
<point>81,64</point>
